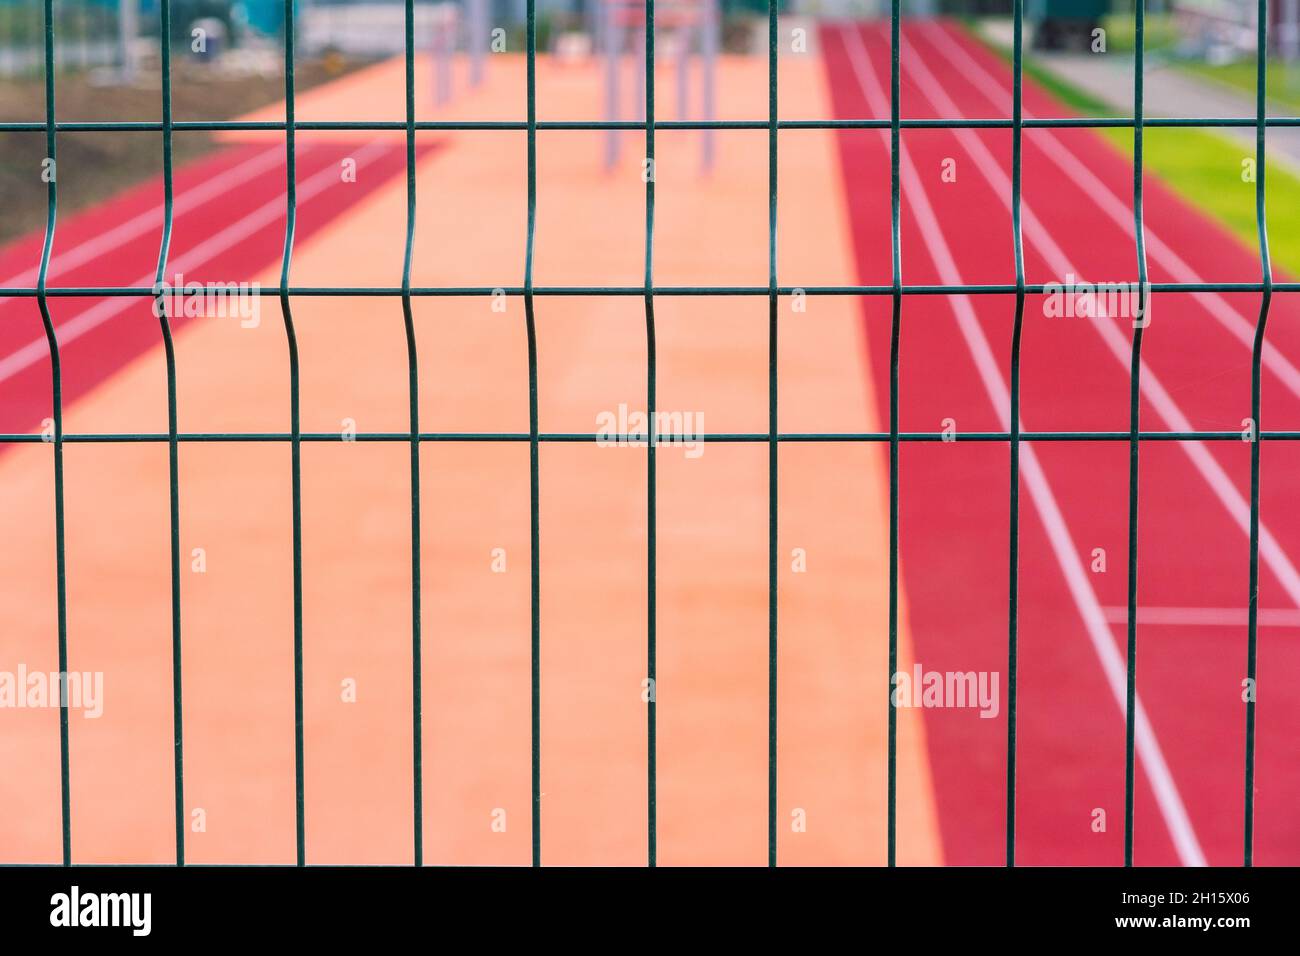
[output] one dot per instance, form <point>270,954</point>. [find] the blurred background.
<point>120,36</point>
<point>228,60</point>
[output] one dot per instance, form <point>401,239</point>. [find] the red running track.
<point>228,224</point>
<point>1193,552</point>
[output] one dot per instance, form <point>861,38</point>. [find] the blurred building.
<point>1232,23</point>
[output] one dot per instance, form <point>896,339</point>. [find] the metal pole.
<point>83,34</point>
<point>442,34</point>
<point>685,38</point>
<point>708,70</point>
<point>127,29</point>
<point>1289,34</point>
<point>639,105</point>
<point>610,34</point>
<point>478,39</point>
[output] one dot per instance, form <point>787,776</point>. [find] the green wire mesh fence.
<point>773,437</point>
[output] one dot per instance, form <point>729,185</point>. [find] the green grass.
<point>1282,85</point>
<point>1202,166</point>
<point>1205,168</point>
<point>1161,32</point>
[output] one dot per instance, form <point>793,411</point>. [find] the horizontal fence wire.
<point>897,291</point>
<point>636,291</point>
<point>397,126</point>
<point>633,438</point>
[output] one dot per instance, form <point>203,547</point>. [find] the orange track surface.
<point>712,530</point>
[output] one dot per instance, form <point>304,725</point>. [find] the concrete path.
<point>1169,91</point>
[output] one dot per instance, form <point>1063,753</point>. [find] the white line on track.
<point>1040,237</point>
<point>1204,616</point>
<point>1241,328</point>
<point>232,235</point>
<point>1149,753</point>
<point>152,219</point>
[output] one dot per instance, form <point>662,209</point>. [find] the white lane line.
<point>232,235</point>
<point>151,219</point>
<point>1204,616</point>
<point>1149,752</point>
<point>1040,237</point>
<point>1241,328</point>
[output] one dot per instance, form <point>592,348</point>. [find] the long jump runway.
<point>237,621</point>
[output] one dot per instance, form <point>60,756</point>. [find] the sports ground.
<point>711,593</point>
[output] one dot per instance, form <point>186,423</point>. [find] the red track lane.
<point>225,227</point>
<point>955,510</point>
<point>1195,554</point>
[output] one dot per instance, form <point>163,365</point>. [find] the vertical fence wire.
<point>772,302</point>
<point>534,481</point>
<point>295,426</point>
<point>413,378</point>
<point>1257,354</point>
<point>652,770</point>
<point>895,334</point>
<point>1013,537</point>
<point>1135,399</point>
<point>173,443</point>
<point>56,384</point>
